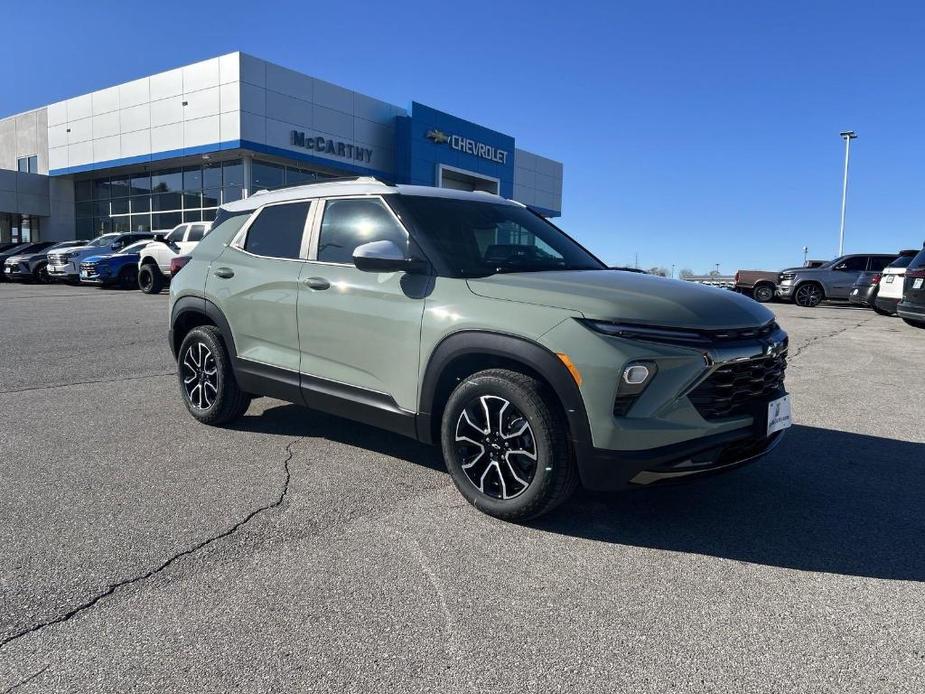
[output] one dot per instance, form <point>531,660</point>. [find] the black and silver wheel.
<point>506,446</point>
<point>763,293</point>
<point>207,383</point>
<point>40,274</point>
<point>808,295</point>
<point>150,279</point>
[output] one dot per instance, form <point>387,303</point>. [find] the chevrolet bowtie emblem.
<point>437,136</point>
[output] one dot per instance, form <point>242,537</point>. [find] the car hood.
<point>627,296</point>
<point>17,258</point>
<point>98,257</point>
<point>802,269</point>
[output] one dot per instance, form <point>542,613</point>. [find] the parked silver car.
<point>833,280</point>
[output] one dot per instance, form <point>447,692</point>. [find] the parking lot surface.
<point>143,552</point>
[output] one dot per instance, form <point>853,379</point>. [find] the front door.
<point>359,331</point>
<point>844,274</point>
<point>255,283</point>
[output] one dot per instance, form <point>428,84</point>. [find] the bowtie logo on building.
<point>437,136</point>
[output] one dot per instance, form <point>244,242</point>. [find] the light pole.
<point>847,136</point>
<point>805,253</point>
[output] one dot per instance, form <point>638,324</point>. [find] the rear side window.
<point>176,236</point>
<point>351,223</point>
<point>277,231</point>
<point>196,232</point>
<point>858,262</point>
<point>902,261</point>
<point>878,262</point>
<point>918,262</point>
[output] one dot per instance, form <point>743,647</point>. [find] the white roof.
<point>363,185</point>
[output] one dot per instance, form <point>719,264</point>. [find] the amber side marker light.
<point>572,369</point>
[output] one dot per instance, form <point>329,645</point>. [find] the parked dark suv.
<point>912,308</point>
<point>833,280</point>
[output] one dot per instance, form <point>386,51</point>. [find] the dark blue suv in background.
<point>113,268</point>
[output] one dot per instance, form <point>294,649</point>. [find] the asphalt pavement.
<point>143,552</point>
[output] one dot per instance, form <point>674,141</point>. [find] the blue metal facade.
<point>418,155</point>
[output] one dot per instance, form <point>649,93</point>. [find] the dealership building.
<point>168,148</point>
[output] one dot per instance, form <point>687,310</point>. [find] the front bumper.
<point>64,271</point>
<point>913,312</point>
<point>18,271</point>
<point>784,291</point>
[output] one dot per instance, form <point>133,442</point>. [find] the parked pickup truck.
<point>759,284</point>
<point>154,263</point>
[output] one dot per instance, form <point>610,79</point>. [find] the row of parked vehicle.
<point>889,283</point>
<point>137,259</point>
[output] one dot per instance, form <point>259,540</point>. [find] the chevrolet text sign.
<point>469,146</point>
<point>326,146</point>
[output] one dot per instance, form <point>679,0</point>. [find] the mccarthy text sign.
<point>323,145</point>
<point>468,145</point>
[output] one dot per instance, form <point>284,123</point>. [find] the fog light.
<point>636,375</point>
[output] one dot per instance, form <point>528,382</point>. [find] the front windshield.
<point>483,238</point>
<point>134,248</point>
<point>104,240</point>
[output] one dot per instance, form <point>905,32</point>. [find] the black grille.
<point>733,388</point>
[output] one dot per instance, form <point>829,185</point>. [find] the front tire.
<point>150,279</point>
<point>506,445</point>
<point>40,274</point>
<point>763,293</point>
<point>207,383</point>
<point>808,295</point>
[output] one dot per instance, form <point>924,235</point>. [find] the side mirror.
<point>841,267</point>
<point>385,256</point>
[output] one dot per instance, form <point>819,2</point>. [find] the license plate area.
<point>779,416</point>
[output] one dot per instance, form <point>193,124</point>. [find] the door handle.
<point>224,272</point>
<point>318,283</point>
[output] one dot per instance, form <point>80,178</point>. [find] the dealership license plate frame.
<point>779,414</point>
<point>917,283</point>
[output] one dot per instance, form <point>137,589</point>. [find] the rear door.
<point>192,238</point>
<point>844,274</point>
<point>255,283</point>
<point>914,288</point>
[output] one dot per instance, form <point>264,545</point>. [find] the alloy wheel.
<point>496,447</point>
<point>200,376</point>
<point>809,295</point>
<point>764,294</point>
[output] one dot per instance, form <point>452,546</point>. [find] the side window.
<point>176,236</point>
<point>277,231</point>
<point>878,262</point>
<point>196,232</point>
<point>856,263</point>
<point>350,223</point>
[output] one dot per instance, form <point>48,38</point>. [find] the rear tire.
<point>763,293</point>
<point>207,383</point>
<point>150,279</point>
<point>809,295</point>
<point>505,443</point>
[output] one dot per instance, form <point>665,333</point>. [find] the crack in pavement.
<point>25,681</point>
<point>809,343</point>
<point>84,383</point>
<point>113,587</point>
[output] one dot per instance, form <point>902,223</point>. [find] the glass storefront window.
<point>141,222</point>
<point>101,226</point>
<point>83,190</point>
<point>192,201</point>
<point>85,209</point>
<point>266,175</point>
<point>233,173</point>
<point>231,193</point>
<point>141,183</point>
<point>212,176</point>
<point>192,179</point>
<point>101,189</point>
<point>298,176</point>
<point>84,228</point>
<point>141,203</point>
<point>120,187</point>
<point>123,225</point>
<point>208,215</point>
<point>119,206</point>
<point>166,220</point>
<point>167,181</point>
<point>166,201</point>
<point>192,216</point>
<point>211,198</point>
<point>102,208</point>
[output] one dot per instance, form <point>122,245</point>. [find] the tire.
<point>128,277</point>
<point>202,351</point>
<point>40,274</point>
<point>914,323</point>
<point>808,295</point>
<point>508,415</point>
<point>150,279</point>
<point>763,293</point>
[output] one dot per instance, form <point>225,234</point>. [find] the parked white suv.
<point>892,278</point>
<point>64,263</point>
<point>154,263</point>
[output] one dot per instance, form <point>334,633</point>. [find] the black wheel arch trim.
<point>531,354</point>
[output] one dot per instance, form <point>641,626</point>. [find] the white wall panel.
<point>167,137</point>
<point>57,136</point>
<point>79,130</point>
<point>166,111</point>
<point>135,144</point>
<point>105,100</point>
<point>202,131</point>
<point>135,118</point>
<point>229,68</point>
<point>80,153</point>
<point>230,126</point>
<point>286,108</point>
<point>332,122</point>
<point>253,99</point>
<point>166,84</point>
<point>57,157</point>
<point>289,82</point>
<point>134,93</point>
<point>79,107</point>
<point>331,96</point>
<point>200,75</point>
<point>106,125</point>
<point>107,148</point>
<point>253,127</point>
<point>253,70</point>
<point>206,102</point>
<point>57,113</point>
<point>230,97</point>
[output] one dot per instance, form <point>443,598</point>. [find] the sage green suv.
<point>466,319</point>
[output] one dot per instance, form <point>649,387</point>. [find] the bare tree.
<point>685,272</point>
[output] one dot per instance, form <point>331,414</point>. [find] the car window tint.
<point>277,231</point>
<point>878,262</point>
<point>902,261</point>
<point>351,223</point>
<point>176,235</point>
<point>196,232</point>
<point>918,261</point>
<point>858,262</point>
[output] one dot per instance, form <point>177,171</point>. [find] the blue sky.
<point>692,133</point>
